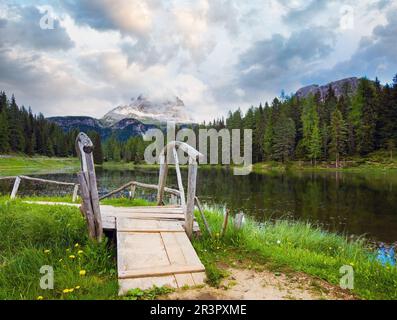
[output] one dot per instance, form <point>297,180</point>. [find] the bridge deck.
<point>152,247</point>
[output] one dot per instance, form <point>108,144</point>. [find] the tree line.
<point>131,150</point>
<point>23,132</point>
<point>314,128</point>
<point>319,128</point>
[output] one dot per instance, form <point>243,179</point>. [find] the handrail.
<point>192,153</point>
<point>141,185</point>
<point>194,157</point>
<point>18,180</point>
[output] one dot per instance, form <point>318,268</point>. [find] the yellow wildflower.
<point>47,251</point>
<point>72,256</point>
<point>65,291</point>
<point>80,252</point>
<point>76,245</point>
<point>77,287</point>
<point>40,298</point>
<point>82,273</point>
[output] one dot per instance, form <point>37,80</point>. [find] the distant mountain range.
<point>143,114</point>
<point>129,120</point>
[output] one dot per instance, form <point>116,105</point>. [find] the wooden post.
<point>75,190</point>
<point>238,220</point>
<point>86,206</point>
<point>132,192</point>
<point>191,195</point>
<point>88,185</point>
<point>15,188</point>
<point>225,221</point>
<point>203,216</point>
<point>162,178</point>
<point>179,178</point>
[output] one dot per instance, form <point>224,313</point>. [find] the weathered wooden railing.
<point>88,187</point>
<point>18,180</point>
<point>133,185</point>
<point>165,157</point>
<point>169,151</point>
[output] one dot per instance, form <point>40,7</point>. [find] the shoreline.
<point>13,165</point>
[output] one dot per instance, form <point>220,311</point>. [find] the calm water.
<point>347,202</point>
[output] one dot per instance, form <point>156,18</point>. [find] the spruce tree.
<point>338,135</point>
<point>284,138</point>
<point>4,136</point>
<point>16,136</point>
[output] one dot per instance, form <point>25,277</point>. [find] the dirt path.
<point>264,285</point>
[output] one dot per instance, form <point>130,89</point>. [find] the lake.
<point>353,203</point>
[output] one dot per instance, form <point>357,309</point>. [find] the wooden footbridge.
<point>153,243</point>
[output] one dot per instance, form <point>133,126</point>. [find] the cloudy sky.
<point>215,55</point>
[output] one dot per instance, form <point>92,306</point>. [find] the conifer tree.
<point>338,135</point>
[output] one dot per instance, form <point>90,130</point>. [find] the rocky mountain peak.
<point>149,111</point>
<point>338,86</point>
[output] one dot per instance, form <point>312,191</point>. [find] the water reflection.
<point>345,202</point>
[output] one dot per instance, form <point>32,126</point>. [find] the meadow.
<point>35,235</point>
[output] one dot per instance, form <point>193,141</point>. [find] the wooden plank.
<point>143,209</point>
<point>108,223</point>
<point>140,251</point>
<point>160,271</point>
<point>190,256</point>
<point>199,278</point>
<point>137,250</point>
<point>140,225</point>
<point>156,216</point>
<point>175,255</point>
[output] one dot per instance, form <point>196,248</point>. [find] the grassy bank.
<point>17,165</point>
<point>34,235</point>
<point>376,162</point>
<point>300,247</point>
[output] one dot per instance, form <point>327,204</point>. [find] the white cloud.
<point>213,54</point>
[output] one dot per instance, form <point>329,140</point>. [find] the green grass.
<point>17,165</point>
<point>295,246</point>
<point>33,236</point>
<point>28,231</point>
